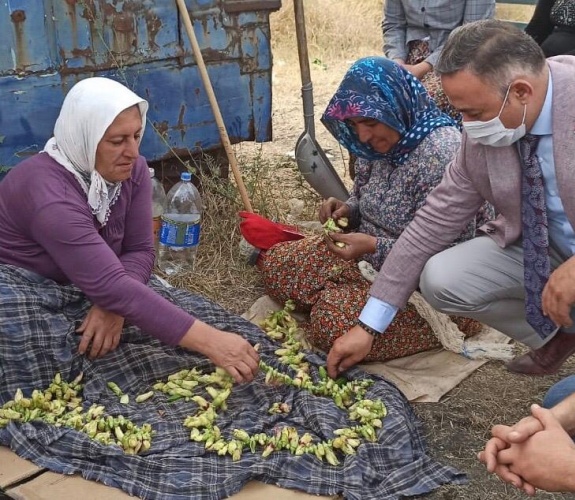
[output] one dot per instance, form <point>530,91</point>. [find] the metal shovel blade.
<point>317,169</point>
<point>311,160</point>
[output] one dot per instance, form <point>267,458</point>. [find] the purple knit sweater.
<point>46,226</point>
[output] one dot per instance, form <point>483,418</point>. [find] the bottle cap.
<point>186,176</point>
<point>152,171</point>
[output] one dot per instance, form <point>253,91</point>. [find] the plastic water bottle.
<point>158,207</point>
<point>180,230</point>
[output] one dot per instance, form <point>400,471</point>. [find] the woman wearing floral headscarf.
<point>382,114</point>
<point>80,213</point>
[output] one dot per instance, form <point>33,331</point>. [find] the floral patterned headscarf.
<point>378,88</point>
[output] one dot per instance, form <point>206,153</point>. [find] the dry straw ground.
<point>340,31</point>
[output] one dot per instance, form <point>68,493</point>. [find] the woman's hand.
<point>103,329</point>
<point>348,350</point>
<point>227,350</point>
<point>356,244</point>
<point>334,208</point>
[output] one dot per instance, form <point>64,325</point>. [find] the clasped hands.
<point>534,453</point>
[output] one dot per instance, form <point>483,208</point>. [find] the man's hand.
<point>559,294</point>
<point>418,70</point>
<point>520,432</point>
<point>348,350</point>
<point>103,329</point>
<point>546,460</point>
<point>503,437</point>
<point>227,350</point>
<point>356,244</point>
<point>333,208</point>
<point>489,458</point>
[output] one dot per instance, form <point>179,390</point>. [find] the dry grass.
<point>221,272</point>
<point>332,33</point>
<point>511,12</point>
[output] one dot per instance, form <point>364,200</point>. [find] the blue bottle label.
<point>179,234</point>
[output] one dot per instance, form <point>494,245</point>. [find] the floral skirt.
<point>418,51</point>
<point>334,292</point>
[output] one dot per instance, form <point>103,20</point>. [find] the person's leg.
<point>298,270</point>
<point>559,42</point>
<point>559,392</point>
<point>337,310</point>
<point>339,305</point>
<point>478,279</point>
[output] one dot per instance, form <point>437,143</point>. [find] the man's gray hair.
<point>495,51</point>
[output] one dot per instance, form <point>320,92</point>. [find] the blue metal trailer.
<point>48,45</point>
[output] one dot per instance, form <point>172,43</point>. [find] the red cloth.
<point>263,233</point>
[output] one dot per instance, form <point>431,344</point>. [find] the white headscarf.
<point>88,110</point>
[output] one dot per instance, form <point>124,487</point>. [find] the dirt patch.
<point>457,427</point>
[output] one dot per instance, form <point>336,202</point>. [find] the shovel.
<point>311,159</point>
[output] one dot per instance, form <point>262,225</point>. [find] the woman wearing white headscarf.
<point>80,212</point>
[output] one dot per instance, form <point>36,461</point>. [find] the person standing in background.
<point>553,27</point>
<point>414,33</point>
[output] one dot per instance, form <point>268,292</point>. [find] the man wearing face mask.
<point>518,153</point>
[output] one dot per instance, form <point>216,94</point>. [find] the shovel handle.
<point>214,104</point>
<point>301,37</point>
<point>307,87</point>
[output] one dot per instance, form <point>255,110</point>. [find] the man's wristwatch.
<point>368,329</point>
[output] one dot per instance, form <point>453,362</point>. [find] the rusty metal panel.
<point>262,107</point>
<point>216,40</point>
<point>99,34</point>
<point>203,5</point>
<point>25,37</point>
<point>142,44</point>
<point>255,55</point>
<point>180,117</point>
<point>27,114</point>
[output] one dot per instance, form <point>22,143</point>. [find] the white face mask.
<point>493,132</point>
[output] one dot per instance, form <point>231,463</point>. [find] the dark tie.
<point>537,266</point>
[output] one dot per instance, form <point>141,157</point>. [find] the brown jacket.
<point>481,173</point>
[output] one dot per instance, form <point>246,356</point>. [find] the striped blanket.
<point>37,340</point>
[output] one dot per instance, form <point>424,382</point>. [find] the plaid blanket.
<point>37,339</point>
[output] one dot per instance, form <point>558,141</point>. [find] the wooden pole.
<point>214,104</point>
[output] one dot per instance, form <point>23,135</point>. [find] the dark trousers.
<point>560,41</point>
